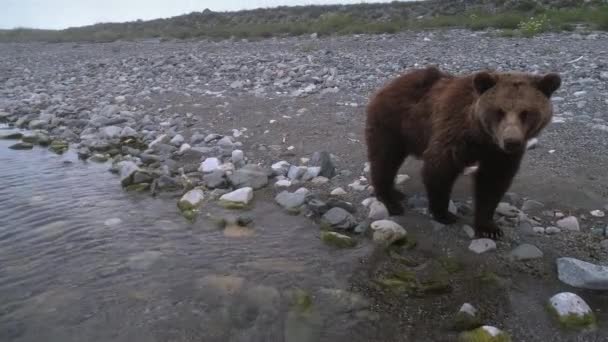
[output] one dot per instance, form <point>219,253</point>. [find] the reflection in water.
<point>82,260</point>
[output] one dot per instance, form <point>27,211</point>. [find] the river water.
<point>83,260</point>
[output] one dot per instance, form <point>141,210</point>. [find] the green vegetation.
<point>522,18</point>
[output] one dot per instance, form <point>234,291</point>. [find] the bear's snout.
<point>512,139</point>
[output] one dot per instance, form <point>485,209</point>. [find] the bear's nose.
<point>513,145</point>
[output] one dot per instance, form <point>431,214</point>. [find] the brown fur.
<point>452,122</point>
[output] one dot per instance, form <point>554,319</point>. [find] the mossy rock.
<point>233,205</point>
<point>302,301</point>
<point>483,334</point>
<point>394,254</point>
<point>338,240</point>
<point>464,321</point>
<point>573,321</point>
<point>58,146</point>
<point>30,139</point>
<point>138,187</point>
<point>451,264</point>
<point>190,214</point>
<point>12,136</point>
<point>408,242</point>
<point>21,146</point>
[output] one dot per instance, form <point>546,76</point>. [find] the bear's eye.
<point>500,114</point>
<point>524,115</point>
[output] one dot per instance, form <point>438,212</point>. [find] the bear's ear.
<point>483,81</point>
<point>549,83</point>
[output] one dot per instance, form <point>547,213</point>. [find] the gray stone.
<point>526,252</point>
<point>250,175</point>
<point>110,132</point>
<point>295,172</point>
<point>142,177</point>
<point>290,200</point>
<point>582,274</point>
<point>280,168</point>
<point>165,183</point>
<point>210,165</point>
<point>604,244</point>
<point>569,223</point>
<point>238,157</point>
<point>21,146</point>
<point>571,310</point>
<point>323,159</point>
<point>552,230</point>
<point>164,149</point>
<point>469,231</point>
<point>377,211</point>
<point>197,138</point>
<point>311,173</point>
<point>507,210</point>
<point>215,179</point>
<point>240,196</point>
<point>211,137</point>
<point>128,132</point>
<point>338,218</point>
<point>11,136</point>
<point>317,206</point>
<point>177,140</point>
<point>37,124</point>
<point>532,205</point>
<point>193,199</point>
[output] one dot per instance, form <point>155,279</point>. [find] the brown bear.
<point>451,122</point>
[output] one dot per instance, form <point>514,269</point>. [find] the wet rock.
<point>143,261</point>
<point>582,274</point>
<point>333,202</point>
<point>37,124</point>
<point>532,205</point>
<point>482,245</point>
<point>165,183</point>
<point>126,170</point>
<point>238,198</point>
<point>467,318</point>
<point>98,158</point>
<point>112,222</point>
<point>192,200</point>
<point>377,211</point>
<point>317,206</point>
<point>280,168</point>
<point>215,179</point>
<point>323,159</point>
<point>252,176</point>
<point>164,149</point>
<point>484,333</point>
<point>571,311</point>
<point>338,218</point>
<point>526,251</point>
<point>362,227</point>
<point>21,146</point>
<point>11,136</point>
<point>386,231</point>
<point>290,200</point>
<point>142,177</point>
<point>569,223</point>
<point>210,165</point>
<point>128,132</point>
<point>338,240</point>
<point>597,213</point>
<point>148,158</point>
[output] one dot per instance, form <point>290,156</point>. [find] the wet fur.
<point>450,123</point>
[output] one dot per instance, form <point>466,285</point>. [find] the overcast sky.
<point>57,14</point>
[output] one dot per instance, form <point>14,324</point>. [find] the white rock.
<point>532,143</point>
<point>482,245</point>
<point>580,93</point>
<point>470,170</point>
<point>302,191</point>
<point>184,148</point>
<point>240,196</point>
<point>569,223</point>
<point>111,132</point>
<point>280,168</point>
<point>468,309</point>
<point>338,192</point>
<point>192,199</point>
<point>552,230</point>
<point>120,99</point>
<point>209,165</point>
<point>283,183</point>
<point>128,132</point>
<point>377,211</point>
<point>582,274</point>
<point>493,331</point>
<point>400,179</point>
<point>311,172</point>
<point>386,231</point>
<point>539,230</point>
<point>158,140</point>
<point>597,213</point>
<point>571,309</point>
<point>357,186</point>
<point>368,201</point>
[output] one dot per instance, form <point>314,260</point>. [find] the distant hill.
<point>332,19</point>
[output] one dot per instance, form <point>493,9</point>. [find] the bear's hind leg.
<point>492,180</point>
<point>439,178</point>
<point>385,158</point>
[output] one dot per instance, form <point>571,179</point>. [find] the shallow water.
<point>82,260</point>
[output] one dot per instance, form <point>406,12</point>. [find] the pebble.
<point>295,172</point>
<point>526,251</point>
<point>240,196</point>
<point>484,333</point>
<point>532,205</point>
<point>112,222</point>
<point>386,231</point>
<point>323,159</point>
<point>569,223</point>
<point>571,310</point>
<point>237,157</point>
<point>291,200</point>
<point>283,183</point>
<point>469,231</point>
<point>338,192</point>
<point>177,140</point>
<point>582,274</point>
<point>482,245</point>
<point>320,180</point>
<point>184,148</point>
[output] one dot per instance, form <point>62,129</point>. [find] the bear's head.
<point>514,107</point>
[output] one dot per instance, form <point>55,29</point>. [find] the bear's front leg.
<point>439,175</point>
<point>492,180</point>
